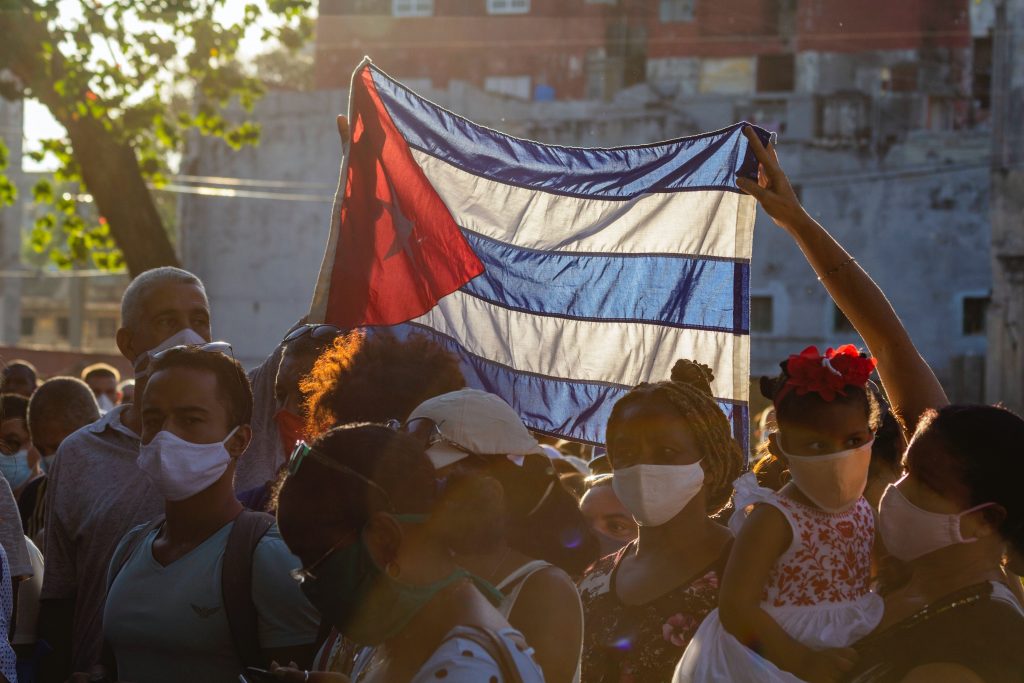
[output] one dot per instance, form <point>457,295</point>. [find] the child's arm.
<point>764,538</point>
<point>909,381</point>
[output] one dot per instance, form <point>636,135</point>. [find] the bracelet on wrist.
<point>836,269</point>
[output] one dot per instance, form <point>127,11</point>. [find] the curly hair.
<point>376,377</point>
<point>689,393</point>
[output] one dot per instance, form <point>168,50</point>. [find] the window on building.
<point>596,74</point>
<point>676,10</point>
<point>106,328</point>
<point>776,73</point>
<point>63,327</point>
<point>28,326</point>
<point>981,81</point>
<point>762,314</point>
<point>514,86</point>
<point>840,323</point>
<point>508,6</point>
<point>904,77</point>
<point>412,8</point>
<point>843,117</point>
<point>974,312</point>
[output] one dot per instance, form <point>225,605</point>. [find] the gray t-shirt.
<point>167,622</point>
<point>264,455</point>
<point>96,494</point>
<point>11,534</point>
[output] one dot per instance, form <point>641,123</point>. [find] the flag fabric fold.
<point>560,276</point>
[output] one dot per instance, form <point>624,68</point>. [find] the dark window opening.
<point>762,314</point>
<point>776,73</point>
<point>975,310</point>
<point>840,323</point>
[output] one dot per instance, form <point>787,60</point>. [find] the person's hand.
<point>293,674</point>
<point>343,131</point>
<point>772,189</point>
<point>827,666</point>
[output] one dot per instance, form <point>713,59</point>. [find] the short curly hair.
<point>376,377</point>
<point>689,393</point>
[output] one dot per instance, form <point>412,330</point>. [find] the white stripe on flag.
<point>712,223</point>
<point>620,353</point>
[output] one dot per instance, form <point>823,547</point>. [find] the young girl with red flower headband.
<point>950,519</point>
<point>797,591</point>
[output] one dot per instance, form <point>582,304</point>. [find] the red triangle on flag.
<point>399,251</point>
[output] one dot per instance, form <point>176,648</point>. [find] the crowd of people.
<point>350,510</point>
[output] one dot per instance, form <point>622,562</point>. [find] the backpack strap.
<point>236,585</point>
<point>491,643</point>
<point>133,539</point>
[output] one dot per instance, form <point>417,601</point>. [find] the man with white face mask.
<point>103,380</point>
<point>167,613</point>
<point>96,491</point>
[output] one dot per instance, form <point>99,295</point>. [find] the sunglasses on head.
<point>320,331</point>
<point>211,347</point>
<point>428,433</point>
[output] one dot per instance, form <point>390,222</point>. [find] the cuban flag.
<point>560,276</point>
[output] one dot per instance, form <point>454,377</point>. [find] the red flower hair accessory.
<point>826,375</point>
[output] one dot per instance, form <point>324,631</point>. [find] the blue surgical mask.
<point>15,469</point>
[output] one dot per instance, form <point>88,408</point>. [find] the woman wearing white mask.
<point>673,458</point>
<point>957,510</point>
<point>796,591</point>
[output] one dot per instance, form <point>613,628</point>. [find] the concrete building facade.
<point>1006,324</point>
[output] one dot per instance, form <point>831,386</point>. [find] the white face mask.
<point>105,404</point>
<point>910,532</point>
<point>833,482</point>
<point>654,494</point>
<point>185,337</point>
<point>180,469</point>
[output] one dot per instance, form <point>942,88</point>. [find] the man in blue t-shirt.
<point>165,616</point>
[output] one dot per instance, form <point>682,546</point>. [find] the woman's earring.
<point>393,570</point>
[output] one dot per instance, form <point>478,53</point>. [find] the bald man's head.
<point>59,407</point>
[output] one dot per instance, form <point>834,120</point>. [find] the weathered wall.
<point>259,257</point>
<point>11,121</point>
<point>1006,322</point>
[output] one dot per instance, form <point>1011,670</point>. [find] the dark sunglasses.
<point>304,574</point>
<point>320,331</point>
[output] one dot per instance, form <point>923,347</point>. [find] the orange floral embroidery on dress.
<point>829,559</point>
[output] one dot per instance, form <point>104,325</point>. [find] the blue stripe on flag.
<point>676,291</point>
<point>572,409</point>
<point>701,162</point>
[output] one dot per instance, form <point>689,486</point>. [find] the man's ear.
<point>239,441</point>
<point>124,344</point>
<point>773,447</point>
<point>383,538</point>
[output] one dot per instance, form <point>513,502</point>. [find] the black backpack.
<point>236,579</point>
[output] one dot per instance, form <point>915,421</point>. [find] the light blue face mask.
<point>15,469</point>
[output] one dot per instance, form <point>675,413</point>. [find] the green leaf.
<point>42,192</point>
<point>8,192</point>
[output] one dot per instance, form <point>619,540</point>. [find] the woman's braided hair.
<point>689,392</point>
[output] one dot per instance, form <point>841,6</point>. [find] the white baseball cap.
<point>473,421</point>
